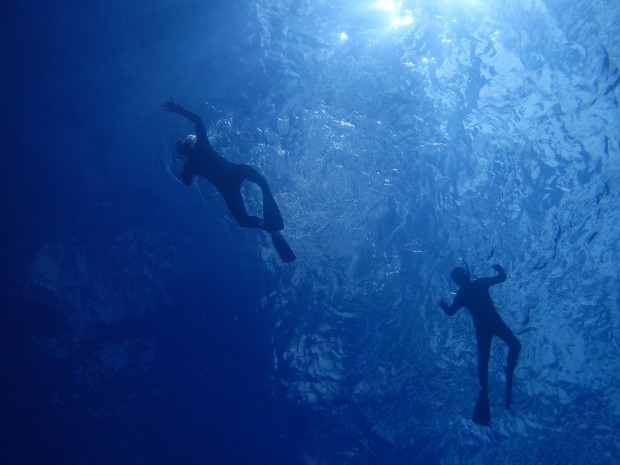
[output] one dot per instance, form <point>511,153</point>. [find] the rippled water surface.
<point>142,325</point>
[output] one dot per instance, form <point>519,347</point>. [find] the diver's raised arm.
<point>501,275</point>
<point>174,107</point>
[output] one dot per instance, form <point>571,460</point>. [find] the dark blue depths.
<point>141,325</point>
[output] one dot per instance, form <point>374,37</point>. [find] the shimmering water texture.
<point>400,139</point>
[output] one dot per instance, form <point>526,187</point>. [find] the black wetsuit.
<point>227,178</point>
<point>474,295</point>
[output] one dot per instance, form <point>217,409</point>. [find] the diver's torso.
<point>209,165</point>
<point>477,300</point>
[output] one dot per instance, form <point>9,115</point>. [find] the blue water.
<point>141,325</point>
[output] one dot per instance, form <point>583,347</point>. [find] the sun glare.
<point>389,5</point>
<point>399,16</point>
<point>402,20</point>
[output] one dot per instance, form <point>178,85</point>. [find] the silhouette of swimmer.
<point>474,295</point>
<point>227,177</point>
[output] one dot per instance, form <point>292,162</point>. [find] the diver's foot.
<point>272,226</point>
<point>284,250</point>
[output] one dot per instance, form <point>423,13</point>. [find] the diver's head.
<point>187,146</point>
<point>460,276</point>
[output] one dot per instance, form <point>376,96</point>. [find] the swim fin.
<point>482,410</point>
<point>284,250</point>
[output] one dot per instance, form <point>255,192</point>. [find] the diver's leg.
<point>484,352</point>
<point>482,409</point>
<point>271,213</point>
<point>234,200</point>
<point>514,347</point>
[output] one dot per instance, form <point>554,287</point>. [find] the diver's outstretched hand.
<point>172,106</point>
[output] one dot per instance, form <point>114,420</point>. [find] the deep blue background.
<point>139,324</point>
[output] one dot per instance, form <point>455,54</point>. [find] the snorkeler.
<point>474,295</point>
<point>227,177</point>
